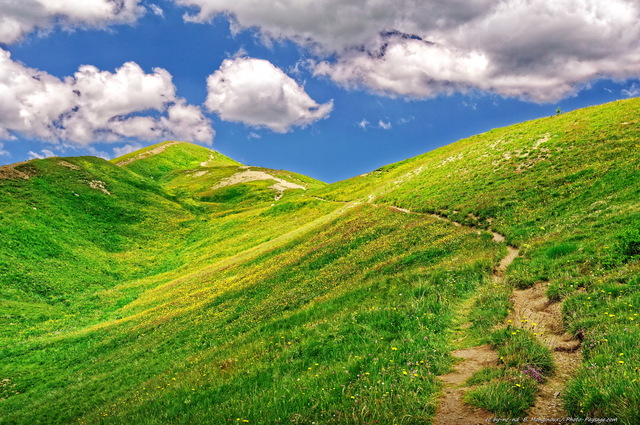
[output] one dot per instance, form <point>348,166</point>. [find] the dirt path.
<point>206,163</point>
<point>452,410</point>
<point>533,311</point>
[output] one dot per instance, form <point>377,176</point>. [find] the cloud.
<point>2,151</point>
<point>18,18</point>
<point>632,91</point>
<point>540,50</point>
<point>45,153</point>
<point>470,105</point>
<point>187,122</point>
<point>363,124</point>
<point>255,92</point>
<point>407,67</point>
<point>157,10</point>
<point>384,125</point>
<point>407,120</point>
<point>126,149</point>
<point>94,105</point>
<point>335,24</point>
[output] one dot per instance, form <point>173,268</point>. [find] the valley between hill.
<point>175,285</point>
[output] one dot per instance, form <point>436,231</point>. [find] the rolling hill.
<point>494,277</point>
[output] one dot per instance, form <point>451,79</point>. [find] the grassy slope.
<point>63,239</point>
<point>305,310</point>
<point>566,190</point>
<point>350,292</point>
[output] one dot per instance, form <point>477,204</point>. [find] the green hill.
<point>175,285</point>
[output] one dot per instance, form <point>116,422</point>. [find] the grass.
<point>490,308</point>
<point>170,299</point>
<point>507,397</point>
<point>565,190</point>
<point>509,390</point>
<point>606,317</point>
<point>273,321</point>
<point>175,157</point>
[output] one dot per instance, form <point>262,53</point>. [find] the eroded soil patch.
<point>452,409</point>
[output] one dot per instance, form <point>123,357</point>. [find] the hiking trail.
<point>531,310</point>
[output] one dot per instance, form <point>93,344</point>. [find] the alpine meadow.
<point>495,278</point>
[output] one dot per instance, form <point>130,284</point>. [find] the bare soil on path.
<point>9,171</point>
<point>452,409</point>
<point>532,310</point>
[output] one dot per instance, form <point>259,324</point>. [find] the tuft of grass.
<point>518,348</point>
<point>510,389</point>
<point>509,397</point>
<point>561,250</point>
<point>626,247</point>
<point>490,308</point>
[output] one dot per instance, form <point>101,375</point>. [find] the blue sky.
<point>313,88</point>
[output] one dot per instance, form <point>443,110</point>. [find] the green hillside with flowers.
<point>174,285</point>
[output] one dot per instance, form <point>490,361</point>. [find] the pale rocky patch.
<point>452,158</point>
<point>10,172</point>
<point>99,185</point>
<point>68,165</point>
<point>147,154</point>
<point>249,175</point>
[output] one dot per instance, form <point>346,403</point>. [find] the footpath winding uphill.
<point>532,310</point>
<point>452,409</point>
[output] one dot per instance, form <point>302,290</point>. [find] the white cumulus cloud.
<point>408,67</point>
<point>363,124</point>
<point>157,10</point>
<point>44,153</point>
<point>123,150</point>
<point>19,17</point>
<point>255,92</point>
<point>540,50</point>
<point>384,125</point>
<point>632,91</point>
<point>187,122</point>
<point>94,105</point>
